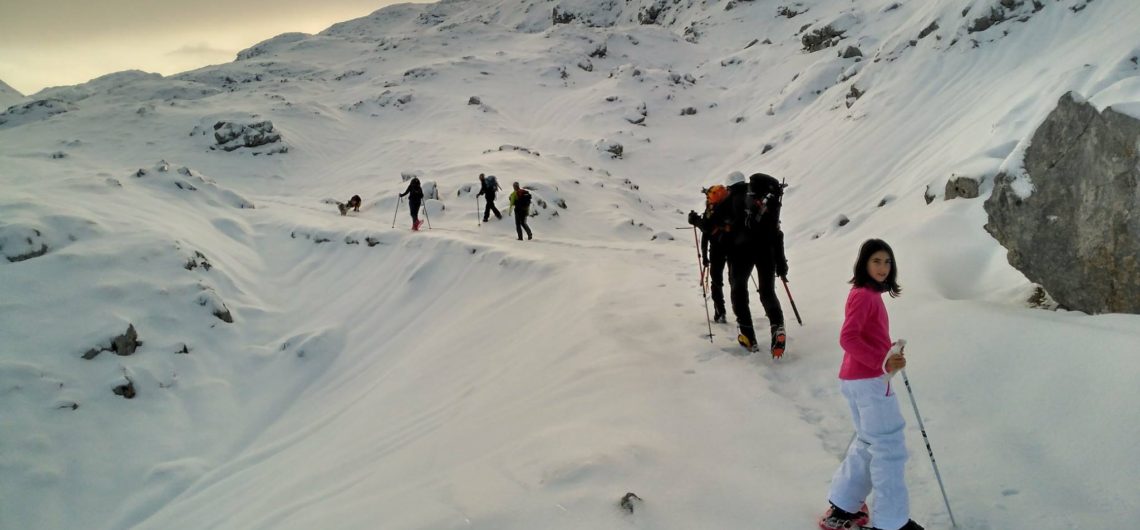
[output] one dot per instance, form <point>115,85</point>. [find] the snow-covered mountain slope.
<point>299,369</point>
<point>10,96</point>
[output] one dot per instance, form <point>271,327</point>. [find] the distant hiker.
<point>712,225</point>
<point>353,203</point>
<point>488,186</point>
<point>876,459</point>
<point>415,197</point>
<point>520,202</point>
<point>756,241</point>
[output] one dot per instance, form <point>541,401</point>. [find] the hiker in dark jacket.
<point>488,186</point>
<point>756,241</point>
<point>520,201</point>
<point>415,198</point>
<point>714,243</point>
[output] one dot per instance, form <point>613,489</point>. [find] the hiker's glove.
<point>782,268</point>
<point>694,219</point>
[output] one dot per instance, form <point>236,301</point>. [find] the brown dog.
<point>353,203</point>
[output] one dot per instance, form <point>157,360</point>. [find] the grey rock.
<point>124,344</point>
<point>962,187</point>
<point>1078,233</point>
<point>230,136</point>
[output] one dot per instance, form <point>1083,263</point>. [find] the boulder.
<point>230,136</point>
<point>962,187</point>
<point>1076,230</point>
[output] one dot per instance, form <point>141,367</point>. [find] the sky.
<point>46,43</point>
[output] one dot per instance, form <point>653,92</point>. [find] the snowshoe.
<point>779,342</point>
<point>836,519</point>
<point>910,525</point>
<point>343,209</point>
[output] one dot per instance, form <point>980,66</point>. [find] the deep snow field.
<point>456,378</point>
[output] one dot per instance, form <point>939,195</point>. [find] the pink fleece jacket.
<point>865,336</point>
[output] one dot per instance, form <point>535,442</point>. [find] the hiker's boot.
<point>718,315</point>
<point>747,338</point>
<point>779,341</point>
<point>343,209</point>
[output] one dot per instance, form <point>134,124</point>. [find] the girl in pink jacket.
<point>876,458</point>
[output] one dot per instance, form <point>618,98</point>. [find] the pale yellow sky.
<point>47,43</point>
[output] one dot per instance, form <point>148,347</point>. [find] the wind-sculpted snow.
<point>296,368</point>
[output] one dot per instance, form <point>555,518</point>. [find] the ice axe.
<point>792,300</point>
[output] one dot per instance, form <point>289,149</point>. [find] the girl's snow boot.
<point>836,519</point>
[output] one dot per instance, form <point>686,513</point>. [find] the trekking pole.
<point>398,201</point>
<point>426,216</point>
<point>704,293</point>
<point>477,218</point>
<point>792,300</point>
<point>929,451</point>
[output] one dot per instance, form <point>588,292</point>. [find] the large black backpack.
<point>763,203</point>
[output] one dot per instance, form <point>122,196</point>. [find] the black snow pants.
<point>520,221</point>
<point>742,261</point>
<point>717,261</point>
<point>490,208</point>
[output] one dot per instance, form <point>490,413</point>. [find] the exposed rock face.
<point>1078,233</point>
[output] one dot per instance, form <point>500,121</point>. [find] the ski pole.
<point>477,218</point>
<point>426,216</point>
<point>792,300</point>
<point>929,451</point>
<point>704,293</point>
<point>398,201</point>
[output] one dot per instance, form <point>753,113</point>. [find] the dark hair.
<point>862,279</point>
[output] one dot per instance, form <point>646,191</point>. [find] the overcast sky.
<point>63,42</point>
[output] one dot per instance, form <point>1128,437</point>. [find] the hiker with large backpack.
<point>756,242</point>
<point>520,202</point>
<point>415,195</point>
<point>488,186</point>
<point>714,237</point>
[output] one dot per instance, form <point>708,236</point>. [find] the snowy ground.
<point>375,377</point>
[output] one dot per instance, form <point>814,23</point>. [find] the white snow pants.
<point>876,459</point>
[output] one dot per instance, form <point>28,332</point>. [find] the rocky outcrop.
<point>124,344</point>
<point>231,136</point>
<point>34,111</point>
<point>1077,233</point>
